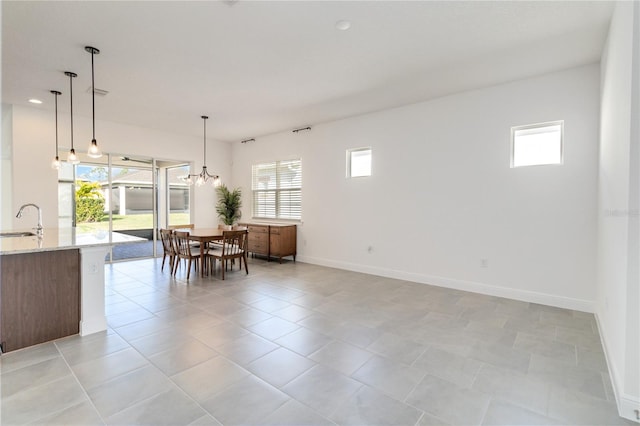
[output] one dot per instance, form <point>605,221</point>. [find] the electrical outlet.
<point>370,249</point>
<point>484,263</point>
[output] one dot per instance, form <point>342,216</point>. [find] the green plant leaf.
<point>229,204</point>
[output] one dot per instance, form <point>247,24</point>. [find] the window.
<point>537,144</point>
<point>359,162</point>
<point>277,190</point>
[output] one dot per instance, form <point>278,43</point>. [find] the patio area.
<point>136,251</point>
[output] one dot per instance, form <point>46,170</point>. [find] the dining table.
<point>204,236</point>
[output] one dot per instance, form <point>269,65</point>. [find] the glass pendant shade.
<point>72,157</point>
<point>55,164</point>
<point>94,151</point>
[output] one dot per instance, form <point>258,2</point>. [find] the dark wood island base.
<point>39,297</point>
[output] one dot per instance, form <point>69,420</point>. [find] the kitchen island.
<point>52,285</point>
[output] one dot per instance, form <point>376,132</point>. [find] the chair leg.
<point>188,269</point>
<point>164,256</point>
<point>224,266</point>
<point>246,267</point>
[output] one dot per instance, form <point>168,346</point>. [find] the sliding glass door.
<point>126,194</point>
<point>132,204</point>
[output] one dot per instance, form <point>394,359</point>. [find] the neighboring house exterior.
<point>132,192</point>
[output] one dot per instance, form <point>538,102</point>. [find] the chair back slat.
<point>166,237</point>
<point>182,245</point>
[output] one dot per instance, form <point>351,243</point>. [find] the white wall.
<point>618,207</point>
<point>33,180</point>
<point>442,195</point>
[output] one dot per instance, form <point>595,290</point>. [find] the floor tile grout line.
<point>84,391</point>
<point>169,378</point>
<point>33,365</point>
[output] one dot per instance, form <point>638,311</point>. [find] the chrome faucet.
<point>39,229</point>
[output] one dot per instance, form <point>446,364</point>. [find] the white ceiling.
<point>261,67</point>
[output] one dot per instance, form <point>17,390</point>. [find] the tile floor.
<point>298,344</point>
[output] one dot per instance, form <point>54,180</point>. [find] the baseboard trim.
<point>628,406</point>
<point>94,325</point>
<point>472,286</point>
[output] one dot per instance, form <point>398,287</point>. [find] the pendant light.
<point>204,175</point>
<point>55,164</point>
<point>94,151</point>
<point>72,157</point>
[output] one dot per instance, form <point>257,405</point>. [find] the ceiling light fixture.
<point>94,151</point>
<point>35,101</point>
<point>72,157</point>
<point>204,175</point>
<point>343,25</point>
<point>55,164</point>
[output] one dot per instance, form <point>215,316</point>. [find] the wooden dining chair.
<point>183,249</point>
<point>166,235</point>
<point>234,246</point>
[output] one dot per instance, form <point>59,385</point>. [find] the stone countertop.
<point>62,239</point>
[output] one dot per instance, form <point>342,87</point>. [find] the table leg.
<point>202,258</point>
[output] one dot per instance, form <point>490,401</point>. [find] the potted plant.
<point>229,204</point>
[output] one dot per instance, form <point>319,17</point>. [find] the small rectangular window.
<point>537,144</point>
<point>359,162</point>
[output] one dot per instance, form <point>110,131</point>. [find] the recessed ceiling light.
<point>343,25</point>
<point>35,101</point>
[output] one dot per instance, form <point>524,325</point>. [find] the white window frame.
<point>349,168</point>
<point>532,128</point>
<point>278,190</point>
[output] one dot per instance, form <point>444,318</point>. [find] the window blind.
<point>277,189</point>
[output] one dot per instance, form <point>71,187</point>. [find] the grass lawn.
<point>131,221</point>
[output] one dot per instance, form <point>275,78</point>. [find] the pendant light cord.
<point>56,98</point>
<point>93,97</point>
<point>71,97</point>
<point>55,94</point>
<point>204,160</point>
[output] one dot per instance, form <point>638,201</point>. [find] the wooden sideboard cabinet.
<point>259,239</point>
<point>272,240</point>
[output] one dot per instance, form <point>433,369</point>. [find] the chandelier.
<point>204,176</point>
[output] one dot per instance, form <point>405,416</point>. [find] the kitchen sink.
<point>16,234</point>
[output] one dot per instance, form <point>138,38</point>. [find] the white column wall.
<point>442,195</point>
<point>6,154</point>
<point>618,280</point>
